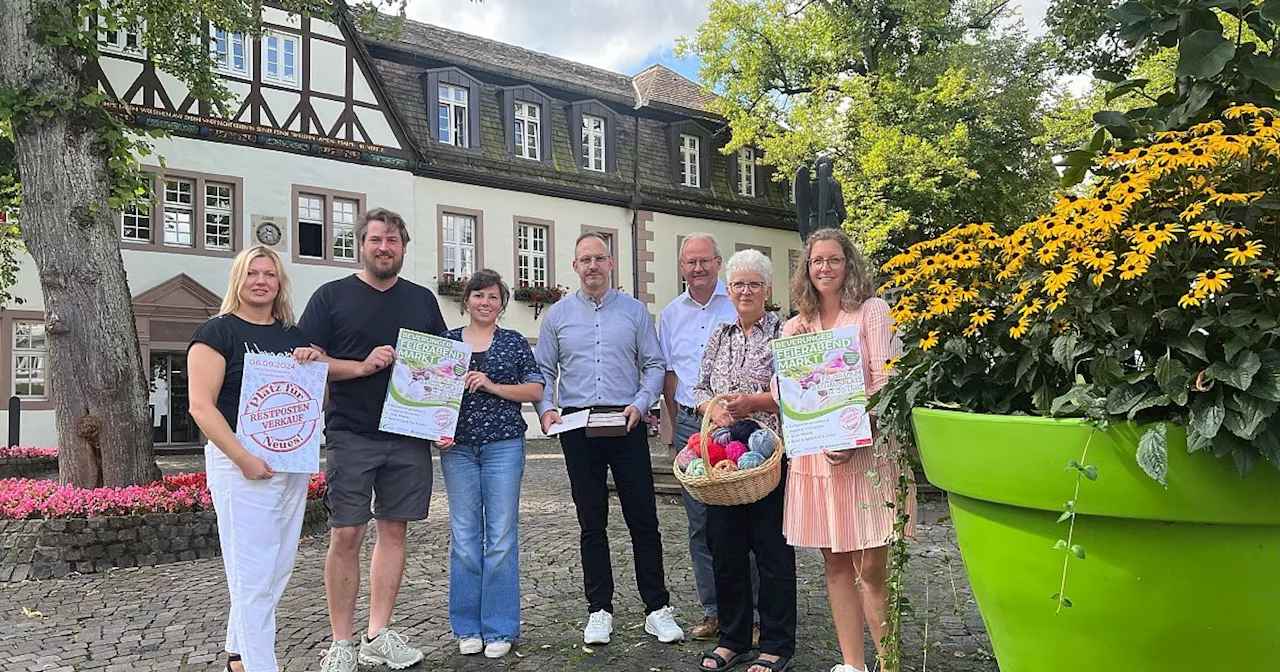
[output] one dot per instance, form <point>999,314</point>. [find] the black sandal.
<point>779,665</point>
<point>736,660</point>
<point>232,658</point>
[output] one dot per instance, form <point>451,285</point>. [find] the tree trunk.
<point>94,365</point>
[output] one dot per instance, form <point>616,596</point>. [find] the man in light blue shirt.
<point>683,330</point>
<point>598,350</point>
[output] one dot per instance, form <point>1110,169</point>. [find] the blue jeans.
<point>483,484</point>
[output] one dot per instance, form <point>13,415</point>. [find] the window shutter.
<point>432,97</point>
<point>673,149</point>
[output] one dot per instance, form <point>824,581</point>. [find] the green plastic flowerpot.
<point>1184,578</point>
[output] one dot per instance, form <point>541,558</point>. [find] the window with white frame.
<point>135,222</point>
<point>311,226</point>
<point>458,250</point>
<point>689,160</point>
<point>531,254</point>
<point>593,143</point>
<point>219,202</point>
<point>747,171</point>
<point>453,115</point>
<point>528,124</point>
<point>179,211</point>
<point>30,355</point>
<point>230,53</point>
<point>121,40</point>
<point>280,55</point>
<point>344,228</point>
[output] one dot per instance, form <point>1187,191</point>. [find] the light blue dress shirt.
<point>683,330</point>
<point>599,355</point>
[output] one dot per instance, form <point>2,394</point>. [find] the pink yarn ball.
<point>734,450</point>
<point>695,444</point>
<point>685,457</point>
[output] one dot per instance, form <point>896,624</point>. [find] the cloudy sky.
<point>621,35</point>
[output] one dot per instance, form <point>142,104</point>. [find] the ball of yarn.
<point>725,466</point>
<point>742,429</point>
<point>762,442</point>
<point>696,468</point>
<point>694,444</point>
<point>735,450</point>
<point>721,436</point>
<point>685,457</point>
<point>750,460</point>
<point>715,453</point>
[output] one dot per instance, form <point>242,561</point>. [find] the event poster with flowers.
<point>821,392</point>
<point>281,404</point>
<point>426,388</point>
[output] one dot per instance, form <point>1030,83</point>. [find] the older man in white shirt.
<point>683,329</point>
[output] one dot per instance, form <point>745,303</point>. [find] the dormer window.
<point>527,130</point>
<point>453,105</point>
<point>746,172</point>
<point>689,152</point>
<point>591,129</point>
<point>452,108</point>
<point>525,112</point>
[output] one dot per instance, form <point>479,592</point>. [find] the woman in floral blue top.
<point>482,470</point>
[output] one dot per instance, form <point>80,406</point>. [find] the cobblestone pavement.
<point>170,618</point>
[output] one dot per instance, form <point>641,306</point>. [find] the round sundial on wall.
<point>269,233</point>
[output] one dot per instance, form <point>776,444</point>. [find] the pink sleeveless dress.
<point>841,507</point>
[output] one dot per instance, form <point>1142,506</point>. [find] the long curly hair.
<point>856,287</point>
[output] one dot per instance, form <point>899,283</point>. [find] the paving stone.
<point>170,617</point>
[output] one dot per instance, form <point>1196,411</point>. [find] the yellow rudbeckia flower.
<point>929,341</point>
<point>1239,256</point>
<point>1207,232</point>
<point>1214,282</point>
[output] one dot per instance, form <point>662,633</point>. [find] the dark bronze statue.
<point>819,202</point>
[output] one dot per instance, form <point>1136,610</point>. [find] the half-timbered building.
<point>497,156</point>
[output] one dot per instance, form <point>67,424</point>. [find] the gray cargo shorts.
<point>384,477</point>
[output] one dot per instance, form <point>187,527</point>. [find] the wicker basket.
<point>736,487</point>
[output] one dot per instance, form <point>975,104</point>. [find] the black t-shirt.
<point>232,337</point>
<point>348,319</point>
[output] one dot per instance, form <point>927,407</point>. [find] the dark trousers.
<point>587,460</point>
<point>735,532</point>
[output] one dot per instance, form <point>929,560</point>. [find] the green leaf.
<point>1246,459</point>
<point>1065,602</point>
<point>1124,87</point>
<point>1271,11</point>
<point>1266,382</point>
<point>1077,157</point>
<point>1236,319</point>
<point>1078,551</point>
<point>1065,515</point>
<point>1116,123</point>
<point>1128,13</point>
<point>1203,54</point>
<point>1153,453</point>
<point>1091,472</point>
<point>1122,398</point>
<point>1196,99</point>
<point>1096,142</point>
<point>1239,374</point>
<point>1171,375</point>
<point>1106,371</point>
<point>1074,175</point>
<point>1262,68</point>
<point>1064,349</point>
<point>1197,441</point>
<point>1024,365</point>
<point>1150,401</point>
<point>1207,418</point>
<point>1107,75</point>
<point>1062,543</point>
<point>1245,414</point>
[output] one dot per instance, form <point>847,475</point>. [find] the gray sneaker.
<point>341,658</point>
<point>389,648</point>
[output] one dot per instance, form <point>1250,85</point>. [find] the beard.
<point>371,265</point>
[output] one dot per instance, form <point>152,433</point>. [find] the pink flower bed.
<point>25,498</point>
<point>19,452</point>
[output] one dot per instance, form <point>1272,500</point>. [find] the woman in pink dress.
<point>843,502</point>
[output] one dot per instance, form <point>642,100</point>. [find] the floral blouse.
<point>737,363</point>
<point>484,417</point>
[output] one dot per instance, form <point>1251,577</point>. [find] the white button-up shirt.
<point>683,330</point>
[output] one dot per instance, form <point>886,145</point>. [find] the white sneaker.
<point>599,628</point>
<point>470,646</point>
<point>845,668</point>
<point>497,649</point>
<point>662,624</point>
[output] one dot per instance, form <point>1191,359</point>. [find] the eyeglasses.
<point>599,259</point>
<point>696,263</point>
<point>742,286</point>
<point>829,262</point>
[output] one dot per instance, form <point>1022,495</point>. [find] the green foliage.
<point>927,110</point>
<point>1167,65</point>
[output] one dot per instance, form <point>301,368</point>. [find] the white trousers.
<point>258,527</point>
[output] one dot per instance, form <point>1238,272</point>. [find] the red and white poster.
<point>280,411</point>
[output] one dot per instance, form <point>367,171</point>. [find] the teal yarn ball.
<point>696,468</point>
<point>750,460</point>
<point>763,442</point>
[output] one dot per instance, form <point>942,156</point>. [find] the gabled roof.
<point>656,84</point>
<point>660,84</point>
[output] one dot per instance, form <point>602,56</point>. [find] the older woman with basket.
<point>745,506</point>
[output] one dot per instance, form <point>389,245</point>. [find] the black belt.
<point>603,409</point>
<point>691,411</point>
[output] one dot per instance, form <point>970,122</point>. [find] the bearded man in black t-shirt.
<point>356,321</point>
